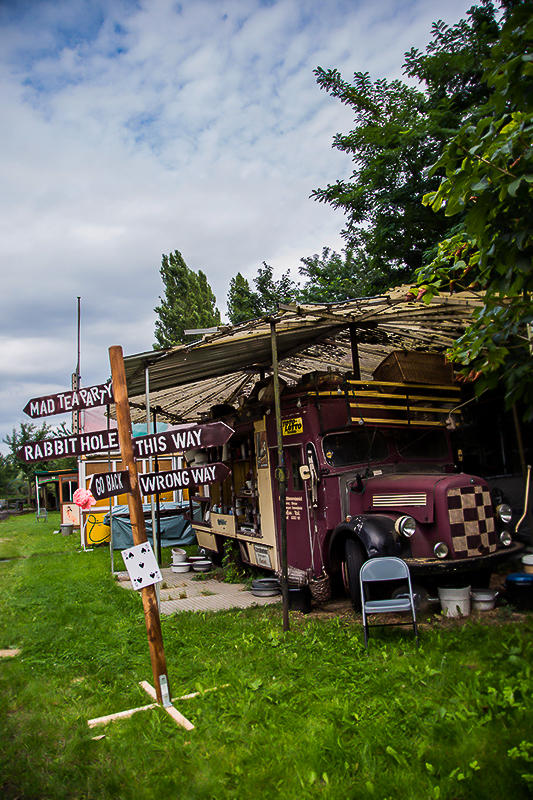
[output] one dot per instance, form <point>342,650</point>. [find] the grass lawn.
<point>308,714</point>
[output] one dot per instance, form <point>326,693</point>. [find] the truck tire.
<point>354,559</point>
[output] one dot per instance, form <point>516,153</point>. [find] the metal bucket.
<point>66,530</point>
<point>483,599</point>
<point>455,600</point>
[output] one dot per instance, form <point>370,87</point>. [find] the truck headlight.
<point>441,550</point>
<point>406,526</point>
<point>504,513</point>
<point>505,538</point>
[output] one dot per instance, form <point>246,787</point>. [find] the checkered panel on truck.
<point>471,521</point>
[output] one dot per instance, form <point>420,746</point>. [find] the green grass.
<point>307,714</point>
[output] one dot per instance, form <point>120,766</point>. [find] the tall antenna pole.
<point>79,340</point>
<point>76,375</point>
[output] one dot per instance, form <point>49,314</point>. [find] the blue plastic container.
<point>519,588</point>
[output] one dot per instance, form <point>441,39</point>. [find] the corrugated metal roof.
<point>185,381</point>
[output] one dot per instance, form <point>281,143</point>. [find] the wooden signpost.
<point>187,437</point>
<point>148,593</point>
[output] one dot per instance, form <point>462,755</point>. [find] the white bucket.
<point>527,563</point>
<point>178,555</point>
<point>455,601</point>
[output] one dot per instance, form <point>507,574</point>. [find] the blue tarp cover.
<point>176,531</point>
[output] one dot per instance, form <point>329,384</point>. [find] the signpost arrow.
<point>68,446</point>
<point>191,437</point>
<point>75,400</point>
<point>170,480</point>
<point>110,484</point>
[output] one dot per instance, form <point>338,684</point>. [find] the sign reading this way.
<point>76,400</point>
<point>193,437</point>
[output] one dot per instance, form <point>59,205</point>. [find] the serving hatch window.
<point>346,448</point>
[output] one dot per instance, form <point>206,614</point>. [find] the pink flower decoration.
<point>84,499</point>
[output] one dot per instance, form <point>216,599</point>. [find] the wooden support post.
<point>282,482</point>
<point>356,367</point>
<point>149,597</point>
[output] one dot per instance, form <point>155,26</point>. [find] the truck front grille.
<point>471,521</point>
<point>392,500</point>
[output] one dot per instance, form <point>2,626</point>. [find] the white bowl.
<point>183,567</point>
<point>202,566</point>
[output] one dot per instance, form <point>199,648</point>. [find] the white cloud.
<point>133,129</point>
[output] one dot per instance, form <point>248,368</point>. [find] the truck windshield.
<point>421,444</point>
<point>354,447</point>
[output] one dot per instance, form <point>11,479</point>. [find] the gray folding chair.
<point>378,570</point>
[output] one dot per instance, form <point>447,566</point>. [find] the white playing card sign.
<point>142,565</point>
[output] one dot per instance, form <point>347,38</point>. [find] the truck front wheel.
<point>354,558</point>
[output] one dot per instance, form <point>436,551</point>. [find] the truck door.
<point>298,521</point>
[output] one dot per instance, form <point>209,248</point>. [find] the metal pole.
<point>149,597</point>
<point>157,497</point>
<point>529,515</point>
<point>155,539</point>
<point>108,408</point>
<point>282,482</point>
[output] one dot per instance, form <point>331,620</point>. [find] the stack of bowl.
<point>179,560</point>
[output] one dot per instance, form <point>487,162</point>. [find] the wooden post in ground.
<point>149,598</point>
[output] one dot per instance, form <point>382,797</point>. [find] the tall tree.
<point>189,302</point>
<point>333,277</point>
<point>399,133</point>
<point>245,303</point>
<point>487,189</point>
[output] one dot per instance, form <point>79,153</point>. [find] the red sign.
<point>110,484</point>
<point>170,480</point>
<point>68,446</point>
<point>191,437</point>
<point>76,400</point>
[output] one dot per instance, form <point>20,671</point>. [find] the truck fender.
<point>376,534</point>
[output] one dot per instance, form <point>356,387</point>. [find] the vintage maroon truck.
<point>369,472</point>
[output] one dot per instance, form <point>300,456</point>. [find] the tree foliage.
<point>30,432</point>
<point>488,190</point>
<point>333,277</point>
<point>189,302</point>
<point>8,473</point>
<point>399,133</point>
<point>245,303</point>
<point>242,301</point>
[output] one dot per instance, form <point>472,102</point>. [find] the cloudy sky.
<point>130,129</point>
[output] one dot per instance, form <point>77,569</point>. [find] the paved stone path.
<point>183,593</point>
